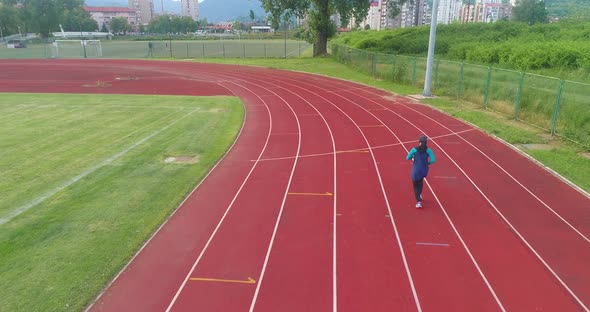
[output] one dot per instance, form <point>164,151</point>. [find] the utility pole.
<point>431,42</point>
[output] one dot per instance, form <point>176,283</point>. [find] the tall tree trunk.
<point>323,24</point>
<point>321,46</point>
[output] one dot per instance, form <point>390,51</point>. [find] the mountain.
<point>229,10</point>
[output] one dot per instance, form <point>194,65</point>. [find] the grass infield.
<point>84,182</point>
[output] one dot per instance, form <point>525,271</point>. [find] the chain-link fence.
<point>180,49</point>
<point>560,107</point>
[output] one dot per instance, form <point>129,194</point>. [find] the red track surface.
<point>497,232</point>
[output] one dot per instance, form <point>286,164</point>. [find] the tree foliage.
<point>173,24</point>
<point>318,14</point>
<point>44,16</point>
<point>120,25</point>
<point>511,44</point>
<point>530,11</point>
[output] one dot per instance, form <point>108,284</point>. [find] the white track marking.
<point>490,288</point>
<point>403,255</point>
<point>169,217</point>
<point>335,192</point>
<point>276,227</point>
<point>512,177</point>
<point>502,216</point>
<point>366,149</point>
<point>225,214</point>
<point>88,171</point>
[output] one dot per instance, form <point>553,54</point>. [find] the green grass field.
<point>84,183</point>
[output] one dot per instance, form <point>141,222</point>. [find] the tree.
<point>119,25</point>
<point>78,20</point>
<point>319,13</point>
<point>9,20</point>
<point>104,28</point>
<point>530,11</point>
<point>252,16</point>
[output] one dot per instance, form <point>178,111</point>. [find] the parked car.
<point>16,44</point>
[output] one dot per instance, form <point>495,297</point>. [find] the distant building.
<point>373,17</point>
<point>190,8</point>
<point>144,10</point>
<point>448,11</point>
<point>415,14</point>
<point>104,15</point>
<point>485,11</point>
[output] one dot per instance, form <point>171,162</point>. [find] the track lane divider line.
<point>171,304</point>
<point>334,208</point>
<point>406,265</point>
<point>509,175</point>
<point>505,219</point>
<point>490,288</point>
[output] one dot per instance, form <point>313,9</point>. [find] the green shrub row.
<point>564,45</point>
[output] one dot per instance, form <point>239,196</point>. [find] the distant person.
<point>423,157</point>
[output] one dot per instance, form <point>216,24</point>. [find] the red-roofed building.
<point>104,15</point>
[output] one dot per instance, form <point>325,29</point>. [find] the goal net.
<point>76,48</point>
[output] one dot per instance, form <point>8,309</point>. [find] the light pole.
<point>431,43</point>
<point>19,34</point>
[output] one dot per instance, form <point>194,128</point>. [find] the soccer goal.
<point>76,48</point>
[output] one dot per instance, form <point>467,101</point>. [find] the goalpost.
<point>76,48</point>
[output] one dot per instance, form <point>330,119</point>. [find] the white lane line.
<point>335,193</point>
<point>503,217</point>
<point>88,171</point>
<point>513,178</point>
<point>278,221</point>
<point>170,216</point>
<point>443,177</point>
<point>226,211</point>
<point>490,288</point>
<point>362,149</point>
<point>397,237</point>
<point>432,244</point>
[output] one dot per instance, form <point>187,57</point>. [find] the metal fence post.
<point>487,90</point>
<point>187,50</point>
<point>372,57</point>
<point>244,50</point>
<point>518,94</point>
<point>393,68</point>
<point>436,74</point>
<point>414,71</point>
<point>223,46</point>
<point>265,50</point>
<point>203,50</point>
<point>460,84</point>
<point>556,108</point>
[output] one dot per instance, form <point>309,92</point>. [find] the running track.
<point>312,207</point>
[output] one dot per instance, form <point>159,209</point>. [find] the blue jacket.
<point>421,163</point>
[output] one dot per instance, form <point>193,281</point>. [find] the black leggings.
<point>418,189</point>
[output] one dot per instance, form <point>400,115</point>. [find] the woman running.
<point>423,157</point>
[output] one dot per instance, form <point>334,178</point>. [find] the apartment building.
<point>190,8</point>
<point>144,10</point>
<point>104,15</point>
